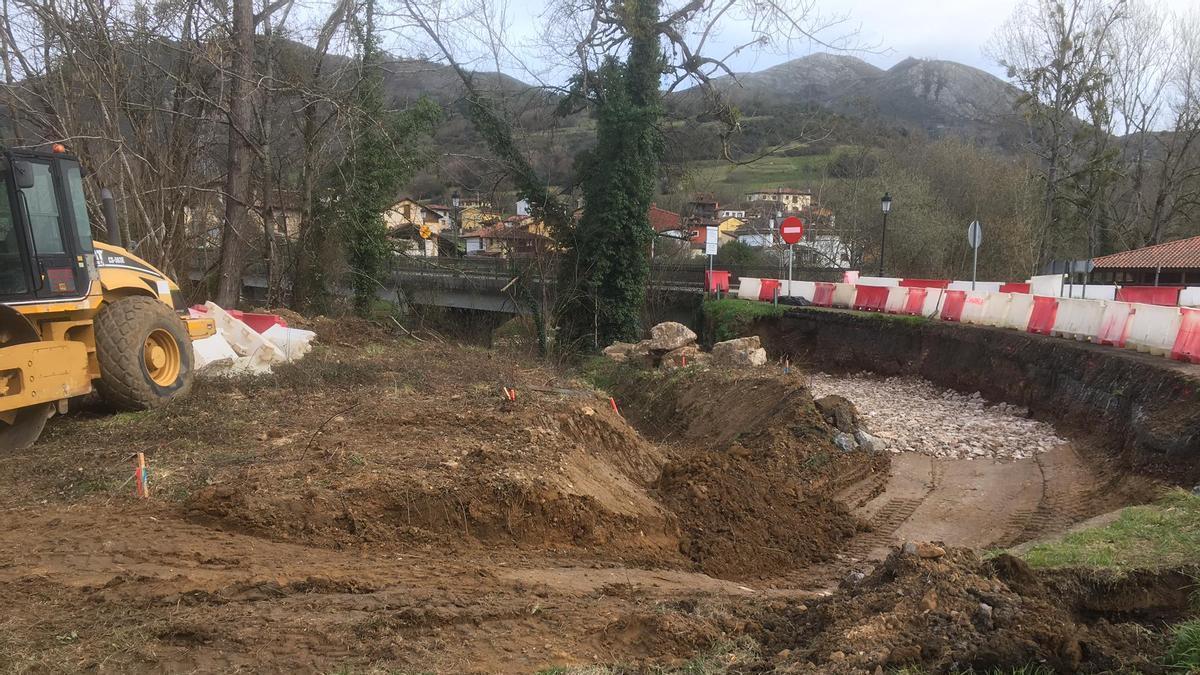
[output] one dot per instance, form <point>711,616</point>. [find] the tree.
<point>381,159</point>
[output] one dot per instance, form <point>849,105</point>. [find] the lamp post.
<point>886,205</point>
<point>455,201</point>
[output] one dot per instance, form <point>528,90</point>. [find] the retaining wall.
<point>1145,406</point>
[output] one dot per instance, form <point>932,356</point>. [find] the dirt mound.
<point>752,468</point>
<point>545,471</point>
<point>951,612</point>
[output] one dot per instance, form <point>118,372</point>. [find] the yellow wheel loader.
<point>77,313</point>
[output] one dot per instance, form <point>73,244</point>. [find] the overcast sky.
<point>954,30</point>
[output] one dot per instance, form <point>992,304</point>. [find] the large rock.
<point>688,355</point>
<point>838,412</point>
<point>669,336</point>
<point>619,351</point>
<point>744,352</point>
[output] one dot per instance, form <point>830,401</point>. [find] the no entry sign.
<point>791,229</point>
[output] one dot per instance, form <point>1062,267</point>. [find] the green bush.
<point>1184,655</point>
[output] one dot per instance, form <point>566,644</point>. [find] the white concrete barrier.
<point>995,309</point>
<point>1154,328</point>
<point>1020,307</point>
<point>257,352</point>
<point>878,281</point>
<point>897,296</point>
<point>988,286</point>
<point>973,307</point>
<point>1077,318</point>
<point>801,289</point>
<point>1190,297</point>
<point>933,303</point>
<point>1092,292</point>
<point>294,342</point>
<point>843,295</point>
<point>748,288</point>
<point>210,350</point>
<point>1047,284</point>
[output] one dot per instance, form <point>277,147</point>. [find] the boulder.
<point>845,442</point>
<point>675,358</point>
<point>669,336</point>
<point>838,412</point>
<point>868,442</point>
<point>619,351</point>
<point>744,352</point>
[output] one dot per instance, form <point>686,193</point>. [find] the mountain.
<point>937,97</point>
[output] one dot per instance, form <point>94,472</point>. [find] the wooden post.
<point>141,489</point>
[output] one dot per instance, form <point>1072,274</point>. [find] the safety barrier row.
<point>1152,328</point>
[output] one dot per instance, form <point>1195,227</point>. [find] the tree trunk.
<point>237,183</point>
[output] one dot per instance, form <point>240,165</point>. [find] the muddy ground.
<point>381,507</point>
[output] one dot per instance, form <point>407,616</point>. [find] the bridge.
<point>490,284</point>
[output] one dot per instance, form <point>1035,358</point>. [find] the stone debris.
<point>673,345</point>
<point>909,414</point>
<point>744,352</point>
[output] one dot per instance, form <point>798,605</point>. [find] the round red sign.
<point>791,229</point>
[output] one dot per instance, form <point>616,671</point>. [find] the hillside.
<point>937,97</point>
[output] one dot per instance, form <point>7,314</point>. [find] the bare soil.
<point>380,506</point>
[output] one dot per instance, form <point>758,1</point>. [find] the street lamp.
<point>455,201</point>
<point>886,205</point>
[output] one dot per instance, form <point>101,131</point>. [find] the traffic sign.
<point>974,234</point>
<point>711,238</point>
<point>791,229</point>
<point>426,232</point>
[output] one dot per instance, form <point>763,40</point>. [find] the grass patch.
<point>728,318</point>
<point>1163,534</point>
<point>1184,655</point>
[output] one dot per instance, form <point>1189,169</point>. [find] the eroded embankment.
<point>1147,406</point>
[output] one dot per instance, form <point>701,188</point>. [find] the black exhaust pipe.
<point>110,218</point>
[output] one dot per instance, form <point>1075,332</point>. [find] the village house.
<point>790,199</point>
<point>1174,263</point>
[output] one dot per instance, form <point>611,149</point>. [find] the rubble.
<point>673,345</point>
<point>746,352</point>
<point>907,414</point>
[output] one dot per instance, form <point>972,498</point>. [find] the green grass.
<point>730,317</point>
<point>1184,655</point>
<point>1163,534</point>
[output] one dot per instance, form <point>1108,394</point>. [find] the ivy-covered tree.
<point>384,154</point>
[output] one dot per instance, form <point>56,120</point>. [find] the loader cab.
<point>46,251</point>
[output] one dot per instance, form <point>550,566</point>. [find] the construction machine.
<point>77,313</point>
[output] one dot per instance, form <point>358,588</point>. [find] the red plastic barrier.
<point>716,280</point>
<point>1187,344</point>
<point>1114,326</point>
<point>870,298</point>
<point>823,295</point>
<point>262,322</point>
<point>1150,295</point>
<point>769,289</point>
<point>259,322</point>
<point>952,306</point>
<point>925,283</point>
<point>915,303</point>
<point>1014,288</point>
<point>1045,310</point>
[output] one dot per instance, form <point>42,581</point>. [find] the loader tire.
<point>145,354</point>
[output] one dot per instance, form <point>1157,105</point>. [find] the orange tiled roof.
<point>1173,254</point>
<point>662,220</point>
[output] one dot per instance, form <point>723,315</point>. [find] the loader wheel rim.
<point>162,358</point>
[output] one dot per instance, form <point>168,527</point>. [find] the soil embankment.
<point>1146,406</point>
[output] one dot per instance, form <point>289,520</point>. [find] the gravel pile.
<point>913,415</point>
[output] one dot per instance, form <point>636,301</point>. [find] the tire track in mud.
<point>891,515</point>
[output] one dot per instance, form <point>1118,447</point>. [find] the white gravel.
<point>910,414</point>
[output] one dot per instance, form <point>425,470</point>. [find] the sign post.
<point>974,238</point>
<point>791,230</point>
<point>711,235</point>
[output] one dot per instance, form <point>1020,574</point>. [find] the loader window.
<point>43,211</point>
<point>79,206</point>
<point>13,275</point>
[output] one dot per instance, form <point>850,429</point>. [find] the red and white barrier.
<point>1187,343</point>
<point>1154,329</point>
<point>1114,324</point>
<point>1078,319</point>
<point>1045,311</point>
